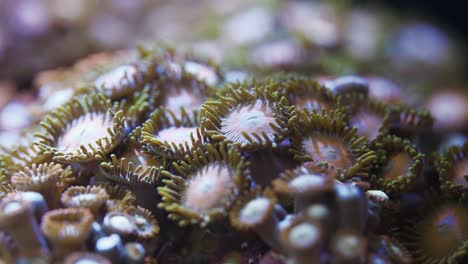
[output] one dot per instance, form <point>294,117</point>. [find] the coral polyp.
<point>81,129</point>
<point>67,229</point>
<point>452,167</point>
<point>305,183</point>
<point>371,117</point>
<point>24,156</point>
<point>49,179</point>
<point>219,171</point>
<point>133,163</point>
<point>91,197</point>
<point>302,240</point>
<point>119,197</point>
<point>249,118</point>
<point>172,137</point>
<point>400,165</point>
<point>175,89</point>
<point>328,140</point>
<point>438,233</point>
<point>411,122</point>
<point>305,93</point>
<point>123,80</point>
<point>146,224</point>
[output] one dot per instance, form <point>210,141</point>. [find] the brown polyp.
<point>67,229</point>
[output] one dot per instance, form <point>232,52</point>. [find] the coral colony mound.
<point>267,154</point>
<point>154,155</point>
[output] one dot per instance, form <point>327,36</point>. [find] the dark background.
<point>451,14</point>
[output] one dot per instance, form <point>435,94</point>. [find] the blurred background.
<point>411,50</point>
<point>345,36</point>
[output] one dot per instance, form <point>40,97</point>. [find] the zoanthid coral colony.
<point>155,156</point>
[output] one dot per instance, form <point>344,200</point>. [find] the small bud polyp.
<point>121,222</point>
<point>110,247</point>
<point>107,243</point>
<point>304,236</point>
<point>306,182</point>
<point>254,211</point>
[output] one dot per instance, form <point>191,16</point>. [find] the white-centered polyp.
<point>178,135</point>
<point>249,119</point>
<point>208,187</point>
<point>306,182</point>
<point>185,99</point>
<point>84,131</point>
<point>107,243</point>
<point>121,222</point>
<point>304,235</point>
<point>120,76</point>
<point>254,211</point>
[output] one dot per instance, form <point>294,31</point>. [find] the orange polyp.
<point>444,231</point>
<point>397,165</point>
